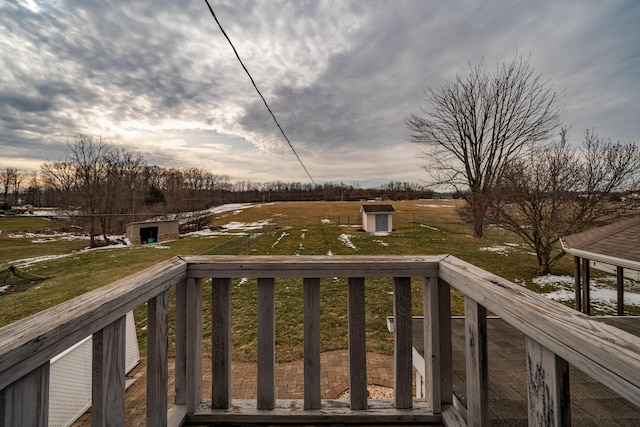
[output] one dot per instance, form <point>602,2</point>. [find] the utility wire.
<point>258,90</point>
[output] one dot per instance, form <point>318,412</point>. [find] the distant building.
<point>153,231</point>
<point>377,218</point>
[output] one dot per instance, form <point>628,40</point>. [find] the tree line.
<point>105,187</point>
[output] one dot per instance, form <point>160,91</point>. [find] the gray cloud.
<point>159,78</point>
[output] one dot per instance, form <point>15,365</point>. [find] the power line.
<point>258,90</point>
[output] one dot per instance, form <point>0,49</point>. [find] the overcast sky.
<point>158,78</point>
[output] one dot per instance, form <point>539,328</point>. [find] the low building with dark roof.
<point>616,245</point>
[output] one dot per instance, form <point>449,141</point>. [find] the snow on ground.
<point>499,249</point>
<point>430,227</point>
<point>381,242</point>
<point>283,235</point>
<point>603,297</point>
<point>346,240</point>
<point>434,206</point>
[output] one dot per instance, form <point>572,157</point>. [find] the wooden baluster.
<point>357,344</point>
<point>577,278</point>
<point>548,387</point>
<point>157,362</point>
<point>620,286</point>
<point>586,286</point>
<point>181,344</point>
<point>431,329</point>
<point>312,392</point>
<point>108,375</point>
<point>402,342</point>
<point>194,344</point>
<point>26,401</point>
<point>477,363</point>
<point>446,348</point>
<point>266,382</point>
<point>221,344</point>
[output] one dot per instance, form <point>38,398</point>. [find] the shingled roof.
<point>617,244</point>
<point>378,208</point>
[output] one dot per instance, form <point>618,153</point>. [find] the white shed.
<point>377,218</point>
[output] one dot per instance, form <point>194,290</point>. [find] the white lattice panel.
<point>70,378</point>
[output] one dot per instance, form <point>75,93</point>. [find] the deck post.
<point>221,344</point>
<point>312,391</point>
<point>157,361</point>
<point>194,344</point>
<point>431,328</point>
<point>357,344</point>
<point>620,284</point>
<point>266,381</point>
<point>26,401</point>
<point>476,363</point>
<point>108,375</point>
<point>402,343</point>
<point>548,387</point>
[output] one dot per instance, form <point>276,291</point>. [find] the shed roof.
<point>151,222</point>
<point>378,208</point>
<point>617,244</point>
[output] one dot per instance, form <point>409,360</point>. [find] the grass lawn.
<point>305,228</point>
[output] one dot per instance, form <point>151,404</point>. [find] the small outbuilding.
<point>377,218</point>
<point>152,231</point>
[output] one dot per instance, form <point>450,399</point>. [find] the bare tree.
<point>473,126</point>
<point>10,179</point>
<point>561,190</point>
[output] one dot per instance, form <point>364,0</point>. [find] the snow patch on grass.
<point>430,227</point>
<point>346,240</point>
<point>603,298</point>
<point>498,249</point>
<point>283,235</point>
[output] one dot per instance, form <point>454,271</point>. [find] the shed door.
<point>382,223</point>
<point>148,234</point>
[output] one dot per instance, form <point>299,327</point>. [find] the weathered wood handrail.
<point>556,337</point>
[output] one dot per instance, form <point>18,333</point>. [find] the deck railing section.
<point>556,337</point>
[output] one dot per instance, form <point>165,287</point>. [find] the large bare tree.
<point>560,190</point>
<point>471,127</point>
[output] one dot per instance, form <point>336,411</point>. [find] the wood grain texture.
<point>312,390</point>
<point>221,344</point>
<point>357,344</point>
<point>402,336</point>
<point>266,382</point>
<point>548,387</point>
<point>431,328</point>
<point>194,344</point>
<point>255,266</point>
<point>446,348</point>
<point>26,401</point>
<point>180,372</point>
<point>477,363</point>
<point>108,375</point>
<point>157,359</point>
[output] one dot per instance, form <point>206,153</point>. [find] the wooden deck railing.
<point>556,337</point>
